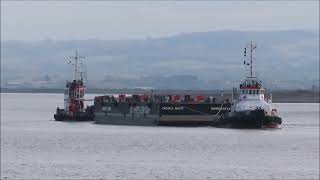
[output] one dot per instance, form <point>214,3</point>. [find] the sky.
<point>110,20</point>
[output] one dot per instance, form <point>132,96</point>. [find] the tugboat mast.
<point>251,59</point>
<point>252,47</point>
<point>75,64</point>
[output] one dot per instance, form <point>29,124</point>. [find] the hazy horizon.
<point>161,37</point>
<point>192,60</point>
<point>82,20</point>
<point>160,44</point>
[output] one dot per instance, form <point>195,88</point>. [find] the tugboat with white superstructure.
<point>251,109</point>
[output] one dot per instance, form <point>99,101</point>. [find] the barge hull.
<point>160,114</point>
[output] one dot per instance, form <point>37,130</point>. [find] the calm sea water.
<point>33,146</point>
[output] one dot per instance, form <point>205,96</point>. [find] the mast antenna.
<point>251,47</point>
<point>75,62</point>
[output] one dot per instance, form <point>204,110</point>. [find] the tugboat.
<point>74,96</point>
<point>251,109</point>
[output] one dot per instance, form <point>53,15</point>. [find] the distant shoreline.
<point>278,96</point>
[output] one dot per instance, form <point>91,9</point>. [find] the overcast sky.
<point>68,20</point>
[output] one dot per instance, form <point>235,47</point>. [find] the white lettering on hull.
<point>220,108</point>
<point>166,108</point>
<point>140,110</point>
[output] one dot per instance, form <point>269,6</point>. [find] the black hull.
<point>249,119</point>
<point>79,117</point>
<point>61,115</point>
<point>180,114</point>
<point>194,123</point>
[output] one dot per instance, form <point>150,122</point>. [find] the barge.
<point>149,110</point>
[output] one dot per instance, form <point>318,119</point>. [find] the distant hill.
<point>202,60</point>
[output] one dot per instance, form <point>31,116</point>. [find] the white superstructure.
<point>251,96</point>
<point>251,93</point>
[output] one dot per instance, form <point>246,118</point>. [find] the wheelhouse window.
<point>250,91</point>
